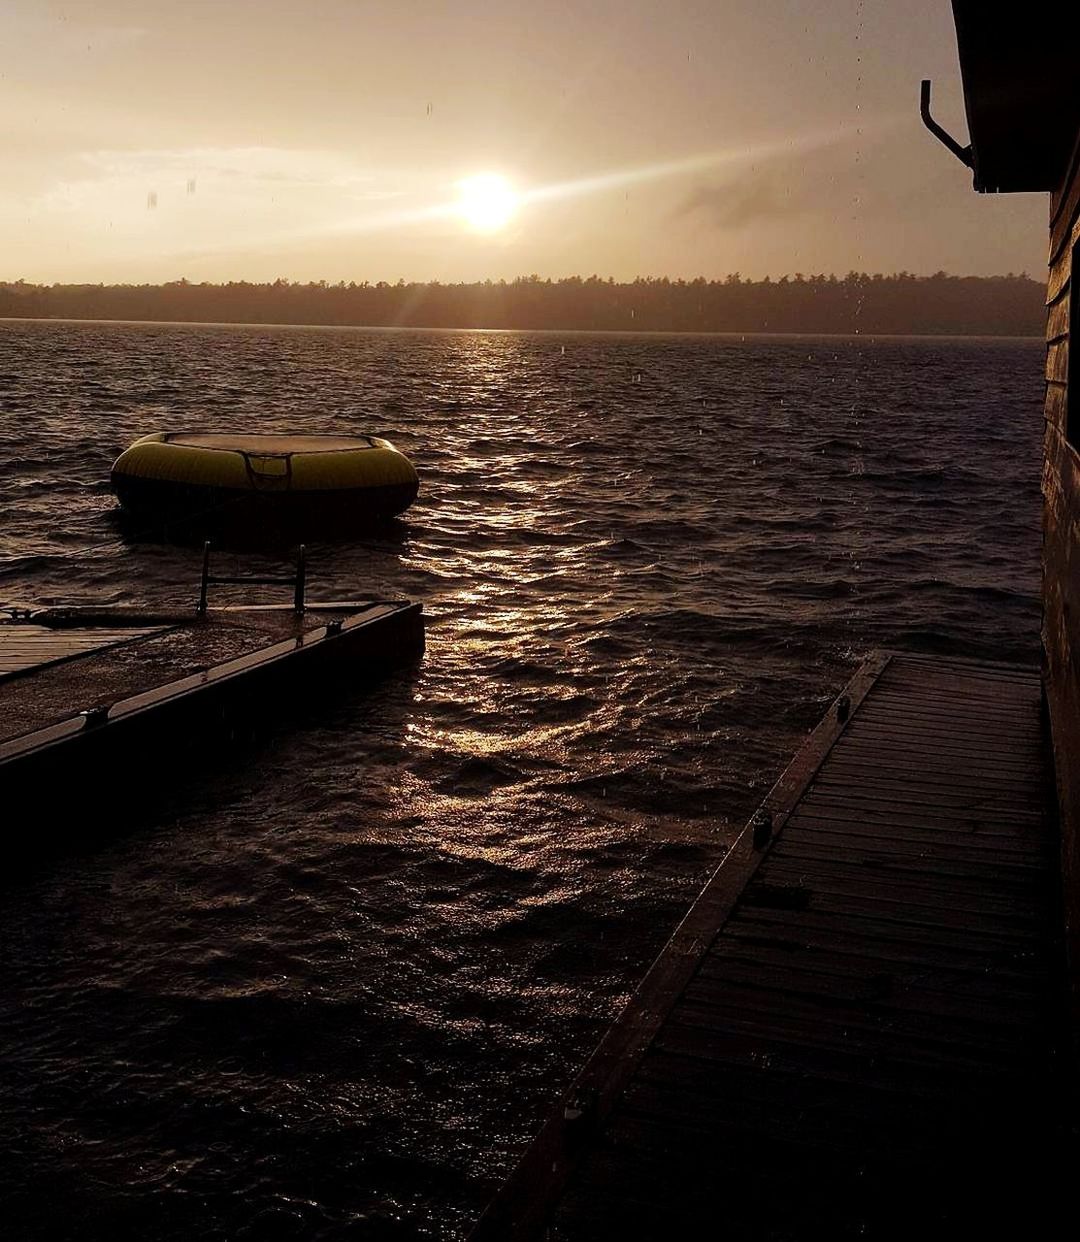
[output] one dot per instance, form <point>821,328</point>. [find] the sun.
<point>486,202</point>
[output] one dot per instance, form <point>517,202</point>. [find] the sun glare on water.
<point>486,202</point>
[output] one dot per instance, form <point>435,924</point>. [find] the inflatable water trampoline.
<point>243,479</point>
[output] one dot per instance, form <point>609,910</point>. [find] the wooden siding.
<point>1057,282</point>
<point>1061,553</point>
<point>1057,360</point>
<point>852,1033</point>
<point>1064,205</point>
<point>1055,407</point>
<point>1057,319</point>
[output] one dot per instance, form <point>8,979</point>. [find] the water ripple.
<point>331,992</point>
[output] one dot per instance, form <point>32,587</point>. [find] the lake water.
<point>332,991</point>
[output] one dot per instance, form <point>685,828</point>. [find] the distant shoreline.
<point>420,328</point>
<point>857,304</point>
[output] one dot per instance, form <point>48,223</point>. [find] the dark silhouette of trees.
<point>858,303</point>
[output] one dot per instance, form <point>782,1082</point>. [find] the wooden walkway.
<point>60,663</point>
<point>94,733</point>
<point>851,1035</point>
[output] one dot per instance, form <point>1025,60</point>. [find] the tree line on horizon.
<point>1012,305</point>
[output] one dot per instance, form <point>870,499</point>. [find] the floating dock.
<point>98,705</point>
<point>853,1033</point>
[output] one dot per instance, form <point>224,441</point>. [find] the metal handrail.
<point>298,581</point>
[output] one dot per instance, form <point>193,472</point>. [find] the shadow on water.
<point>218,1036</point>
<point>89,807</point>
<point>266,532</point>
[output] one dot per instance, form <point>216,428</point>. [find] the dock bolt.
<point>762,823</point>
<point>577,1108</point>
<point>843,708</point>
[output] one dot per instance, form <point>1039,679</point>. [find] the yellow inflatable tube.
<point>174,474</point>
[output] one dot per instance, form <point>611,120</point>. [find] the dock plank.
<point>862,1039</point>
<point>26,647</point>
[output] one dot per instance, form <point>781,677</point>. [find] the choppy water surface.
<point>331,992</point>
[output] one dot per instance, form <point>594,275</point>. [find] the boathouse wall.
<point>1061,533</point>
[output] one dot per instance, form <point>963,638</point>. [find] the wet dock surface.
<point>31,647</point>
<point>67,662</point>
<point>852,1034</point>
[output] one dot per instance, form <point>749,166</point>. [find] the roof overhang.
<point>1020,66</point>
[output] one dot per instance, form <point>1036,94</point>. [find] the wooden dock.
<point>98,708</point>
<point>28,647</point>
<point>852,1033</point>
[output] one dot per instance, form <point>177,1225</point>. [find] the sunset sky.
<point>145,141</point>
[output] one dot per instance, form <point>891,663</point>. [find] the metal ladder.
<point>298,582</point>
